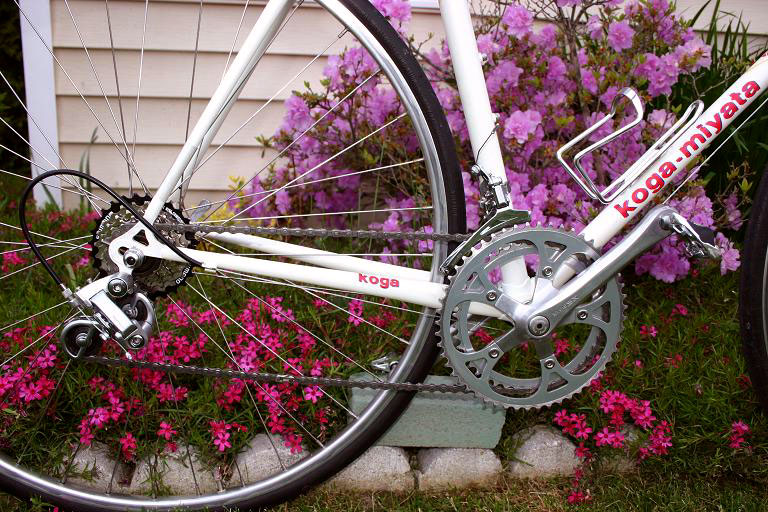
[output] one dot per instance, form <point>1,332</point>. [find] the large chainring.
<point>154,277</point>
<point>527,373</point>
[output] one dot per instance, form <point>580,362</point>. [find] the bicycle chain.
<point>315,232</point>
<point>300,379</point>
<point>276,377</point>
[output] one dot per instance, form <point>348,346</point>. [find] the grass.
<point>701,393</point>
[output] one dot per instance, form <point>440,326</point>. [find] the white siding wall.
<point>170,41</point>
<point>166,78</point>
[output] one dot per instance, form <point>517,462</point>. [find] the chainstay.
<point>315,232</point>
<point>276,377</point>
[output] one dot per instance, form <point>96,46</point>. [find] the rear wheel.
<point>753,295</point>
<point>90,437</point>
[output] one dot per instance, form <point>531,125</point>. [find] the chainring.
<point>154,277</point>
<point>502,376</point>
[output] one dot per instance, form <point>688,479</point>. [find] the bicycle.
<point>147,249</point>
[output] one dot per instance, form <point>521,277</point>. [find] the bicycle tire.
<point>753,295</point>
<point>367,24</point>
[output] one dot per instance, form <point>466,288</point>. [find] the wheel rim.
<point>345,439</point>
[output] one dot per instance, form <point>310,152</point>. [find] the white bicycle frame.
<point>421,287</point>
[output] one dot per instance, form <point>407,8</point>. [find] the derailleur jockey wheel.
<point>154,277</point>
<point>504,366</point>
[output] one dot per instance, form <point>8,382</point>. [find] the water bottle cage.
<point>621,183</point>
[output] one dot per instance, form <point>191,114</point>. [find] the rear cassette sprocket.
<point>154,277</point>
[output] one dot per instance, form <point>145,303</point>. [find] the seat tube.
<point>481,121</point>
<point>253,48</point>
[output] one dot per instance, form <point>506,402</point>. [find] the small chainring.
<point>154,277</point>
<point>506,368</point>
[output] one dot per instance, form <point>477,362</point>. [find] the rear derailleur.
<point>112,308</point>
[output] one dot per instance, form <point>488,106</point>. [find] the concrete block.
<point>446,468</point>
<point>263,457</point>
<point>92,468</point>
<point>380,468</point>
<point>439,420</point>
<point>181,472</point>
<point>543,452</point>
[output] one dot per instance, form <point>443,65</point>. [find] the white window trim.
<point>40,90</point>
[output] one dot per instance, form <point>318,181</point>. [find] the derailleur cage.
<point>114,310</point>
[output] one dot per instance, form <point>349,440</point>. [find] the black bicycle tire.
<point>753,295</point>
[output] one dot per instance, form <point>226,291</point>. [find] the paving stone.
<point>92,468</point>
<point>262,457</point>
<point>380,468</point>
<point>438,420</point>
<point>443,468</point>
<point>543,452</point>
<point>172,472</point>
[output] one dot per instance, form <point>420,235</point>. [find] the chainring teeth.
<point>498,242</point>
<point>158,278</point>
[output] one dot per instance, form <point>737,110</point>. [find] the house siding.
<point>166,76</point>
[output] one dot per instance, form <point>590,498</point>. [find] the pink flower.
<point>582,451</point>
<point>561,346</point>
<point>659,441</point>
<point>739,431</point>
<point>646,330</point>
<point>729,259</point>
<point>10,260</point>
<point>518,19</point>
<point>221,441</point>
<point>166,431</point>
<point>312,393</point>
<point>608,437</point>
<point>293,442</point>
<point>98,417</point>
<point>128,446</point>
<point>520,125</point>
<point>355,312</point>
<point>577,497</point>
<point>620,35</point>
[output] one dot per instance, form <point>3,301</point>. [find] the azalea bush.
<point>547,84</point>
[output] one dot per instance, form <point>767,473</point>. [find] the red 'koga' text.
<point>383,282</point>
<point>689,148</point>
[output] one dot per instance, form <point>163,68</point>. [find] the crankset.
<point>519,365</point>
<point>526,362</point>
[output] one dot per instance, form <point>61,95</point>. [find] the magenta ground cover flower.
<point>739,430</point>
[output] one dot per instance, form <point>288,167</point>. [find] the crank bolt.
<point>117,287</point>
<point>538,325</point>
<point>549,364</point>
<point>82,339</point>
<point>133,258</point>
<point>491,296</point>
<point>494,353</point>
<point>581,315</point>
<point>547,271</point>
<point>136,341</point>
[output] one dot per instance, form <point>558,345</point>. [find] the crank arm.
<point>503,218</point>
<point>655,227</point>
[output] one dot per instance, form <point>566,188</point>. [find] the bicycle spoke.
<point>120,104</point>
<point>6,276</point>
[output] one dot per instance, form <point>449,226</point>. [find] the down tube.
<point>676,159</point>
